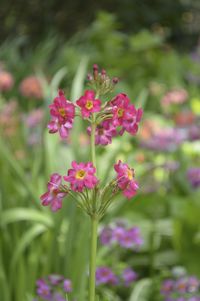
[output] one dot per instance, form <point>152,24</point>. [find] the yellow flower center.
<point>89,104</point>
<point>80,174</point>
<point>120,112</point>
<point>62,112</point>
<point>130,174</point>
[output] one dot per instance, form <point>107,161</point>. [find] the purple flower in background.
<point>105,275</point>
<point>43,290</point>
<point>167,287</point>
<point>181,285</point>
<point>167,139</point>
<point>126,238</point>
<point>55,279</point>
<point>129,276</point>
<point>58,297</point>
<point>34,118</point>
<point>130,238</point>
<point>118,233</point>
<point>106,236</point>
<point>67,285</point>
<point>193,175</point>
<point>53,288</point>
<point>193,284</point>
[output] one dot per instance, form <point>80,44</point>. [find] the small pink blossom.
<point>31,87</point>
<point>88,103</point>
<point>6,81</point>
<point>53,196</point>
<point>126,181</point>
<point>62,113</point>
<point>125,114</point>
<point>81,176</point>
<point>104,133</point>
<point>176,96</point>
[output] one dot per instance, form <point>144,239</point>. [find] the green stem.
<point>94,223</point>
<point>93,251</point>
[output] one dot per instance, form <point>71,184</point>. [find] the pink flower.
<point>89,104</point>
<point>6,81</point>
<point>53,196</point>
<point>31,87</point>
<point>125,114</point>
<point>126,181</point>
<point>104,133</point>
<point>62,112</point>
<point>81,176</point>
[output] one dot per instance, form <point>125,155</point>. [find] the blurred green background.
<point>154,49</point>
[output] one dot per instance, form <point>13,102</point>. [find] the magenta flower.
<point>106,236</point>
<point>104,133</point>
<point>53,196</point>
<point>125,179</point>
<point>62,113</point>
<point>167,287</point>
<point>43,290</point>
<point>88,103</point>
<point>193,175</point>
<point>125,114</point>
<point>81,176</point>
<point>105,275</point>
<point>67,285</point>
<point>129,276</point>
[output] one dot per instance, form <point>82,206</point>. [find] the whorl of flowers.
<point>105,276</point>
<point>53,288</point>
<point>106,120</point>
<point>121,235</point>
<point>183,287</point>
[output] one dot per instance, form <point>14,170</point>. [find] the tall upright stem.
<point>93,251</point>
<point>94,224</point>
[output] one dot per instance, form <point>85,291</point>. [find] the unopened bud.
<point>95,71</point>
<point>89,76</point>
<point>115,80</point>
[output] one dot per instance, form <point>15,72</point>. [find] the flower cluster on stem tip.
<point>106,120</point>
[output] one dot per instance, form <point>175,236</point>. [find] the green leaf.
<point>141,290</point>
<point>25,214</point>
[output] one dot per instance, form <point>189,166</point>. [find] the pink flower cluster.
<point>125,117</point>
<point>119,115</point>
<point>125,114</point>
<point>125,179</point>
<point>62,113</point>
<point>81,176</point>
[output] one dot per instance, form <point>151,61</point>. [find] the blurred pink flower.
<point>176,96</point>
<point>34,118</point>
<point>6,81</point>
<point>31,87</point>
